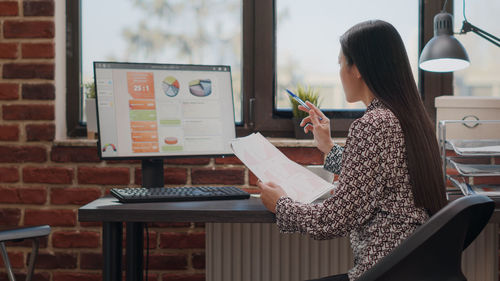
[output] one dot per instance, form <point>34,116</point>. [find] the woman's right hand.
<point>319,128</point>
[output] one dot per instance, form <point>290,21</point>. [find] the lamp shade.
<point>443,53</point>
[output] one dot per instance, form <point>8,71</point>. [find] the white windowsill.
<point>278,142</point>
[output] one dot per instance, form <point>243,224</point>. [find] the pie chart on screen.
<point>170,86</point>
<point>200,87</point>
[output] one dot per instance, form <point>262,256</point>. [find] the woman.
<point>390,178</point>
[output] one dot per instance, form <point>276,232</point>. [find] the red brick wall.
<point>49,189</point>
<point>45,182</point>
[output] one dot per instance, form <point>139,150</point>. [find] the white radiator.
<point>480,260</point>
<point>257,252</point>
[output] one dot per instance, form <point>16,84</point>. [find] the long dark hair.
<point>377,50</point>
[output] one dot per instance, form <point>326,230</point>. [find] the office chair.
<point>434,251</point>
<point>19,234</point>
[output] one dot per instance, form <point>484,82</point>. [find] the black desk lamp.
<point>467,26</point>
<point>444,53</point>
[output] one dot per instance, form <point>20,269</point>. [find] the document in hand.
<point>270,164</point>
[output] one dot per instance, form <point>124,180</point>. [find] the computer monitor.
<point>154,111</point>
<point>163,110</point>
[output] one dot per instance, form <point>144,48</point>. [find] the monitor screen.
<point>149,110</point>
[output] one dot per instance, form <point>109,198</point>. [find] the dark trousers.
<point>340,277</point>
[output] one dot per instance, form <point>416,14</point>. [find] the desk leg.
<point>112,250</point>
<point>135,240</point>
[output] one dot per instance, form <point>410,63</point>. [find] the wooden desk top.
<point>231,211</point>
<point>108,209</point>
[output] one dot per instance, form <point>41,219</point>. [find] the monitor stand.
<point>152,176</point>
<point>152,173</point>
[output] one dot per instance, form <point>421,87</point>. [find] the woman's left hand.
<point>269,194</point>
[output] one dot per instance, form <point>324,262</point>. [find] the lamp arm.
<point>467,26</point>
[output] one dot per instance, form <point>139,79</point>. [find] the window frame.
<point>342,119</point>
<point>73,70</point>
<point>259,72</point>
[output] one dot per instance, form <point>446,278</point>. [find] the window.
<point>183,32</point>
<point>481,77</point>
<point>307,44</point>
<point>175,32</point>
<point>304,47</point>
<point>255,37</point>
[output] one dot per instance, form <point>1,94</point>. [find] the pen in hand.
<point>301,102</point>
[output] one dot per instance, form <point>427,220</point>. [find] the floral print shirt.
<point>373,202</point>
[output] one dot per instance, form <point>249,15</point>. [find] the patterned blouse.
<point>373,202</point>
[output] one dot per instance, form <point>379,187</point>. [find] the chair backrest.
<point>20,233</point>
<point>434,250</point>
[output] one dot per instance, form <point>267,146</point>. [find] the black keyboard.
<point>184,193</point>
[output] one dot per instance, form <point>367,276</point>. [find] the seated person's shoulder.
<point>377,121</point>
<point>382,117</point>
<point>364,126</point>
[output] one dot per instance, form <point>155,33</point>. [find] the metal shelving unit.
<point>475,170</point>
<point>469,148</point>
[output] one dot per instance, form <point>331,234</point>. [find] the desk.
<point>112,213</point>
